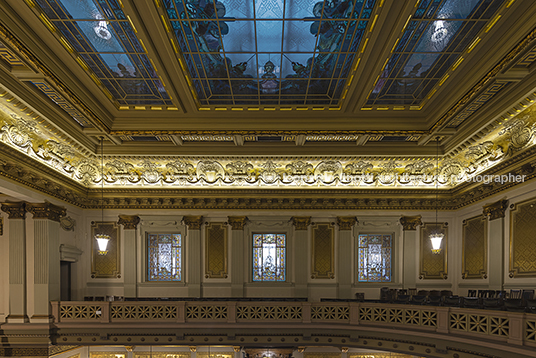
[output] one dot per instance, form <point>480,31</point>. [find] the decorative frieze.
<point>301,223</point>
<point>346,222</point>
<point>15,210</point>
<point>237,222</point>
<point>129,222</point>
<point>495,210</point>
<point>410,223</point>
<point>46,211</point>
<point>193,222</point>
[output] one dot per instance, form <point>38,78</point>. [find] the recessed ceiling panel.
<point>104,37</point>
<point>432,41</point>
<point>269,52</point>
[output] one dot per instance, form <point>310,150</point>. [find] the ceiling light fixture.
<point>102,238</point>
<point>436,236</point>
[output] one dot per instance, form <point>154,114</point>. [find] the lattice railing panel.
<point>206,312</point>
<point>333,313</point>
<point>458,321</point>
<point>80,312</point>
<point>143,312</point>
<point>269,312</point>
<point>530,330</point>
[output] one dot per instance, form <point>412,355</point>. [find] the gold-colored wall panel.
<point>105,266</point>
<point>216,251</point>
<point>162,354</point>
<point>321,355</point>
<point>475,248</point>
<point>433,266</point>
<point>522,242</point>
<point>323,251</point>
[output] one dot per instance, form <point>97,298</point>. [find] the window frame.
<point>392,277</point>
<point>147,261</point>
<point>252,234</point>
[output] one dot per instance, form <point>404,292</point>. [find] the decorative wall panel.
<point>379,355</point>
<point>433,266</point>
<point>475,248</point>
<point>215,355</point>
<point>162,354</point>
<point>321,355</point>
<point>522,243</point>
<point>107,355</point>
<point>105,266</point>
<point>216,251</point>
<point>323,251</point>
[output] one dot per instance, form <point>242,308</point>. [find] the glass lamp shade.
<point>436,239</point>
<point>102,241</point>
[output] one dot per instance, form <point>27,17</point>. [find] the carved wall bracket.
<point>301,223</point>
<point>237,222</point>
<point>129,222</point>
<point>410,223</point>
<point>193,222</point>
<point>346,222</point>
<point>495,210</point>
<point>46,211</point>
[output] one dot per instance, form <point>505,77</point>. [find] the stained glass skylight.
<point>103,36</point>
<point>269,52</point>
<point>433,40</point>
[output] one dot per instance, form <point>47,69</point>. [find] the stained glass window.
<point>279,52</point>
<point>433,40</point>
<point>104,37</point>
<point>374,261</point>
<point>269,257</point>
<point>164,257</point>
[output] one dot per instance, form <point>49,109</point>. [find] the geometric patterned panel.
<point>206,312</point>
<point>151,354</point>
<point>269,312</point>
<point>474,248</point>
<point>9,57</point>
<point>141,312</point>
<point>418,317</point>
<point>51,93</point>
<point>105,266</point>
<point>478,102</point>
<point>432,42</point>
<point>323,261</point>
<point>433,266</point>
<point>216,251</point>
<point>105,43</point>
<point>336,313</point>
<point>283,52</point>
<point>522,242</point>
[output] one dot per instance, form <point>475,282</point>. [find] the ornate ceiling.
<point>268,94</point>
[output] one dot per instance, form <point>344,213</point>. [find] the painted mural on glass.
<point>433,40</point>
<point>164,257</point>
<point>269,51</point>
<point>100,32</point>
<point>374,257</point>
<point>269,257</point>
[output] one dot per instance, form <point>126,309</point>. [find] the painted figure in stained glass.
<point>374,258</point>
<point>269,256</point>
<point>164,257</point>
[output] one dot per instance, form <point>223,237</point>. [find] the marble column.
<point>46,263</point>
<point>193,253</point>
<point>301,255</point>
<point>130,224</point>
<point>237,254</point>
<point>495,213</point>
<point>410,246</point>
<point>345,252</point>
<point>17,262</point>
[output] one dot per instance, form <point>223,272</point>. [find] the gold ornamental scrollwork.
<point>301,223</point>
<point>129,222</point>
<point>410,223</point>
<point>495,210</point>
<point>193,222</point>
<point>346,222</point>
<point>237,222</point>
<point>15,210</point>
<point>46,211</point>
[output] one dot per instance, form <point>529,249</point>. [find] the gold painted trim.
<point>215,257</point>
<point>513,267</point>
<point>482,274</point>
<point>319,255</point>
<point>426,253</point>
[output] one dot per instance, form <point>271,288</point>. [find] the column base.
<point>17,319</point>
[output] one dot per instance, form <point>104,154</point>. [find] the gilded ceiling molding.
<point>46,211</point>
<point>193,222</point>
<point>129,222</point>
<point>495,210</point>
<point>237,222</point>
<point>15,210</point>
<point>507,60</point>
<point>227,135</point>
<point>346,222</point>
<point>301,223</point>
<point>410,223</point>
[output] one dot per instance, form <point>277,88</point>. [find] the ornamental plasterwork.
<point>38,141</point>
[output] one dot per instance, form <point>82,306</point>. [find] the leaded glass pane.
<point>164,257</point>
<point>374,258</point>
<point>269,257</point>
